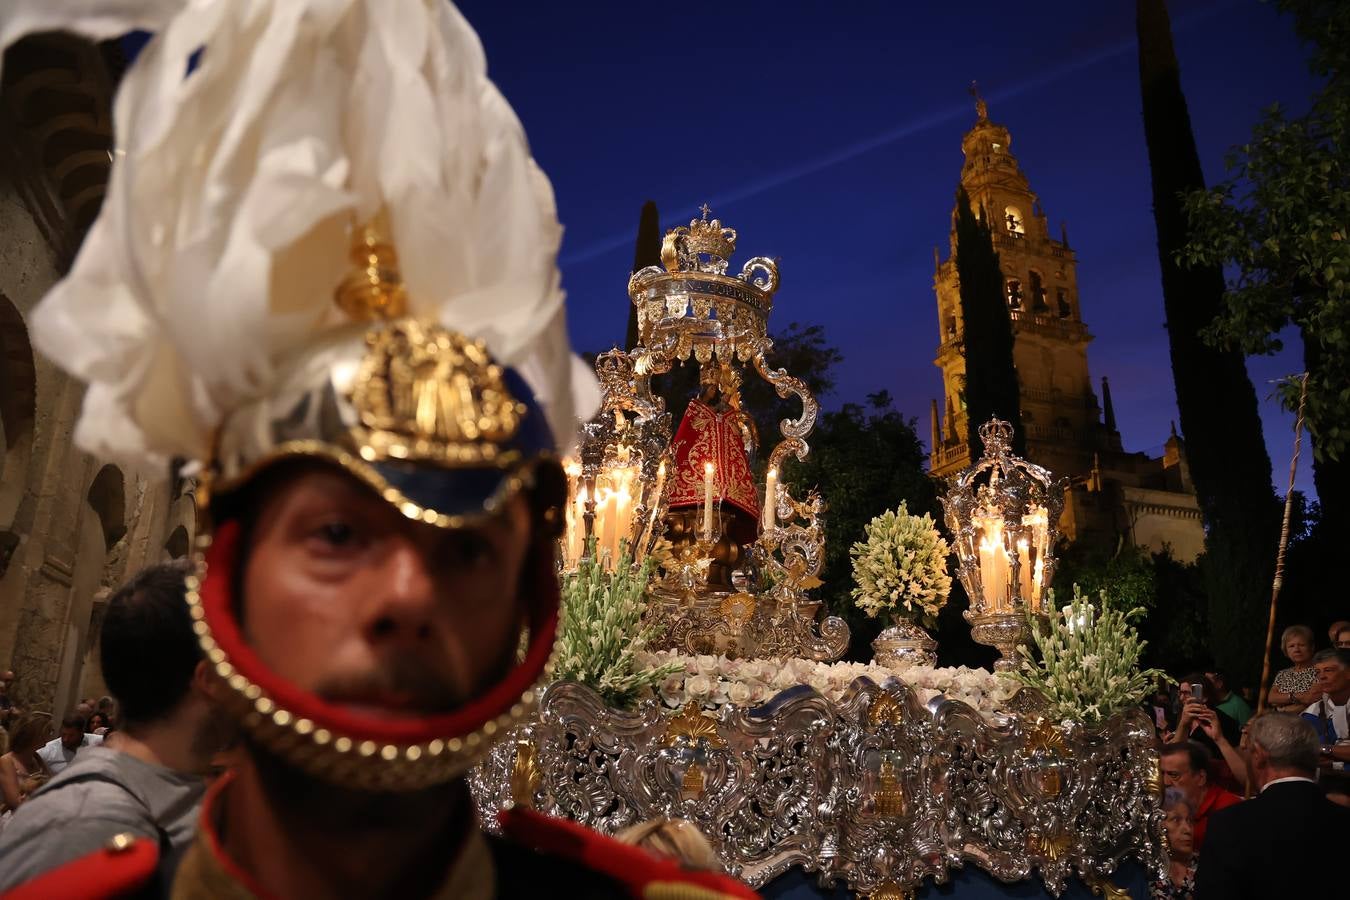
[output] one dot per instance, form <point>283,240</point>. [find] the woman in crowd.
<point>1295,687</point>
<point>1178,821</point>
<point>98,724</point>
<point>22,771</point>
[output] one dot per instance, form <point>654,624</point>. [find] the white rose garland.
<point>713,681</point>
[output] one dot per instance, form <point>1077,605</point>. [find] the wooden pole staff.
<point>1284,546</point>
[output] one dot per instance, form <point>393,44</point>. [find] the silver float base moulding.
<point>876,790</point>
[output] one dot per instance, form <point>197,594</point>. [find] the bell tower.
<point>1112,494</point>
<point>1059,408</point>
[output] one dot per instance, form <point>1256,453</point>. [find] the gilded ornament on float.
<point>1003,513</point>
<point>525,774</point>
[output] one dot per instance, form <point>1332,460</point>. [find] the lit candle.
<point>770,499</point>
<point>707,501</point>
<point>993,564</point>
<point>623,513</point>
<point>604,514</point>
<point>1024,568</point>
<point>573,538</point>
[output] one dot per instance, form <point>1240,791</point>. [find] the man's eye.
<point>465,548</point>
<point>336,534</point>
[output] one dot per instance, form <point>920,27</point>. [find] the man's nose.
<point>403,600</point>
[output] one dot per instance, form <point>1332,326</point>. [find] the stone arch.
<point>18,408</point>
<point>107,496</point>
<point>1014,222</point>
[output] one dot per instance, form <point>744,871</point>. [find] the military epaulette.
<point>644,875</point>
<point>122,868</point>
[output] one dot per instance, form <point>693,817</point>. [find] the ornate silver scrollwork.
<point>873,790</point>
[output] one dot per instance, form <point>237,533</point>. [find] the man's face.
<point>1186,694</point>
<point>1342,641</point>
<point>71,737</point>
<point>1333,676</point>
<point>347,599</point>
<point>1177,772</point>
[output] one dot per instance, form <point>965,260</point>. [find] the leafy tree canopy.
<point>1281,219</point>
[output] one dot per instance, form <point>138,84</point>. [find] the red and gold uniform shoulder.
<point>128,867</point>
<point>628,871</point>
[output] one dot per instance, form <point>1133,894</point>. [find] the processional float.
<point>872,787</point>
<point>741,558</point>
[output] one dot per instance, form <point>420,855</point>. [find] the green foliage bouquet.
<point>602,632</point>
<point>1089,662</point>
<point>900,568</point>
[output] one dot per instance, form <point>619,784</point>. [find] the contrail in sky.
<point>916,126</point>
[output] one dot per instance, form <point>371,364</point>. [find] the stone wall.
<point>72,528</point>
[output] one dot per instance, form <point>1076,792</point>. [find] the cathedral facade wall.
<point>72,527</point>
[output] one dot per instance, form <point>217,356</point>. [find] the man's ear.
<point>206,682</point>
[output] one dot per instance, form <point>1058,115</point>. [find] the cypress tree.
<point>646,252</point>
<point>1228,459</point>
<point>991,377</point>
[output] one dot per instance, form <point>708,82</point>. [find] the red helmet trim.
<point>217,595</point>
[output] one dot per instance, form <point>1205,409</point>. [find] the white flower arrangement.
<point>714,681</point>
<point>900,569</point>
<point>601,632</point>
<point>1089,662</point>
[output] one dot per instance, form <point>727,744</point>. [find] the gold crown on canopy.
<point>702,245</point>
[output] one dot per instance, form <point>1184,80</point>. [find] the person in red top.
<point>1185,766</point>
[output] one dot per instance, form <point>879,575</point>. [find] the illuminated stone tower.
<point>1149,500</point>
<point>1059,409</point>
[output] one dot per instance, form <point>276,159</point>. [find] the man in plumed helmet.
<point>325,273</point>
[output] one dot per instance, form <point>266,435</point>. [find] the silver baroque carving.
<point>875,789</point>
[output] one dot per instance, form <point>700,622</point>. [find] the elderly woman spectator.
<point>1179,826</point>
<point>1295,687</point>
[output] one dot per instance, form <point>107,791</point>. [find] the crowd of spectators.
<point>1244,792</point>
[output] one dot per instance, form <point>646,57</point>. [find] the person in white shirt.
<point>60,752</point>
<point>1328,714</point>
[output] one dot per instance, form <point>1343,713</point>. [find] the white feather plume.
<point>224,228</point>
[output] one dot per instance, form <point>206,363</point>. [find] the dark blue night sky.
<point>828,134</point>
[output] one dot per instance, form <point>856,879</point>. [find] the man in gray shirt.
<point>146,780</point>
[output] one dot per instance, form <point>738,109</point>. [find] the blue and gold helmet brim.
<point>419,414</point>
